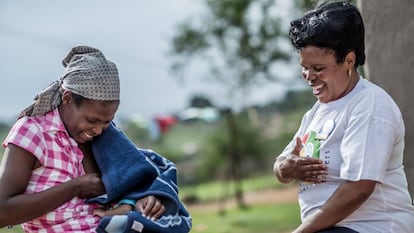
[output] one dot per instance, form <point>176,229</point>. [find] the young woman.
<point>48,169</point>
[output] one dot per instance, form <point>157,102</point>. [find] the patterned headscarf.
<point>87,73</point>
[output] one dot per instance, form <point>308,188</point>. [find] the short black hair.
<point>78,99</point>
<point>336,25</point>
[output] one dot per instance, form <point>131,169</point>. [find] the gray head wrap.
<point>87,73</point>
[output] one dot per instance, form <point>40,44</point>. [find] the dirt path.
<point>285,195</point>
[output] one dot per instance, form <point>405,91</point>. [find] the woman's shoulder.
<point>36,122</point>
<point>374,93</point>
<point>32,126</point>
<point>29,132</point>
<point>374,99</point>
<point>370,88</point>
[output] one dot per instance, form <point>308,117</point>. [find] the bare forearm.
<point>17,206</point>
<point>24,207</point>
<point>346,199</point>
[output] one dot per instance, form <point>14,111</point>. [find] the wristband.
<point>128,202</point>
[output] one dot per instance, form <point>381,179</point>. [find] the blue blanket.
<point>132,173</point>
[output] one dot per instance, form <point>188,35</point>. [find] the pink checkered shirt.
<point>61,160</point>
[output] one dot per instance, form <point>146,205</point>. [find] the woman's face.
<point>87,120</point>
<point>328,79</point>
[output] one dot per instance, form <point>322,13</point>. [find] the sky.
<point>135,34</point>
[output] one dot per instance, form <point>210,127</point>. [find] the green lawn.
<point>215,190</point>
<point>15,229</point>
<point>259,218</point>
<point>263,218</point>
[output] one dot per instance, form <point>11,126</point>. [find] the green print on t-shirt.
<point>311,148</point>
<point>311,145</point>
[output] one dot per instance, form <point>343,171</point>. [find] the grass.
<point>215,190</point>
<point>258,218</point>
<point>15,229</point>
<point>263,218</point>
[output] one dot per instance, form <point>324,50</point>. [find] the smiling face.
<point>329,80</point>
<point>88,119</point>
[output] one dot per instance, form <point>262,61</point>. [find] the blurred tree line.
<point>202,150</point>
<point>241,42</point>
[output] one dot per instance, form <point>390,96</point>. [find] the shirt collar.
<point>54,121</point>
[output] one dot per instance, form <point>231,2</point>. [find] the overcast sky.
<point>135,34</point>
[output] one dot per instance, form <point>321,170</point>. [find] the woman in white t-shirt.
<point>348,151</point>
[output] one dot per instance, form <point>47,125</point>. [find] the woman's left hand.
<point>150,206</point>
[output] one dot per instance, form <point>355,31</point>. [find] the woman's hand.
<point>299,168</point>
<point>150,207</point>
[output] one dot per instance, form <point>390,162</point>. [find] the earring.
<point>349,73</point>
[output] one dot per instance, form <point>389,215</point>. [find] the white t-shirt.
<point>359,136</point>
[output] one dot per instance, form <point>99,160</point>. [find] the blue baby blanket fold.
<point>129,172</point>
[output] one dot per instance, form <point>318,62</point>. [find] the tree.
<point>240,46</point>
<point>389,47</point>
<point>241,41</point>
<point>200,101</point>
